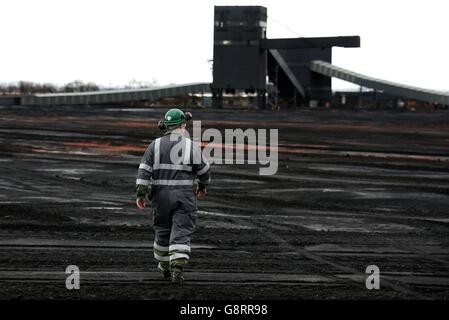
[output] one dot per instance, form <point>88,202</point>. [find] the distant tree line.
<point>28,87</point>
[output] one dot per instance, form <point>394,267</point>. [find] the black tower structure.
<point>239,63</point>
<point>244,58</point>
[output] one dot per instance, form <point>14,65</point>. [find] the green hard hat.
<point>174,117</point>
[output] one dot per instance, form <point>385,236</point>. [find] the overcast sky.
<point>113,41</point>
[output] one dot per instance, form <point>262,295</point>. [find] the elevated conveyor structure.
<point>114,96</point>
<point>397,89</point>
<point>288,72</point>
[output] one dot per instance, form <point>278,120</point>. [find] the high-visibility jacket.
<point>172,165</point>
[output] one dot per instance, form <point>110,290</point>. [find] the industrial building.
<point>297,71</point>
<point>244,58</point>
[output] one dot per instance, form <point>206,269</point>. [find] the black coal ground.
<point>354,188</point>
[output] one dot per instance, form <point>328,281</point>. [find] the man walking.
<point>172,175</point>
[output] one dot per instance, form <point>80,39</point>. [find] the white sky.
<point>113,41</point>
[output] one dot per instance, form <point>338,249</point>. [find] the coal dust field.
<point>354,190</point>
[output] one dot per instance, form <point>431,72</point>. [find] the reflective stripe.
<point>204,170</point>
<point>160,248</point>
<point>143,182</point>
<point>157,151</point>
<point>179,256</point>
<point>145,167</point>
<point>160,258</point>
<point>172,167</point>
<point>180,247</point>
<point>173,182</point>
<point>187,151</point>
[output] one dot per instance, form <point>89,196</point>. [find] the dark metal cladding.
<point>298,53</point>
<point>239,63</point>
<point>316,86</point>
<point>310,43</point>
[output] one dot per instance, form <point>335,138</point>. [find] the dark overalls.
<point>171,165</point>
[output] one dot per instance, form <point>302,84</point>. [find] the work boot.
<point>164,272</point>
<point>177,277</point>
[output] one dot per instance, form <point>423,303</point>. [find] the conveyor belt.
<point>110,96</point>
<point>394,88</point>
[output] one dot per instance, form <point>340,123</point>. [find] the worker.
<point>172,175</point>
